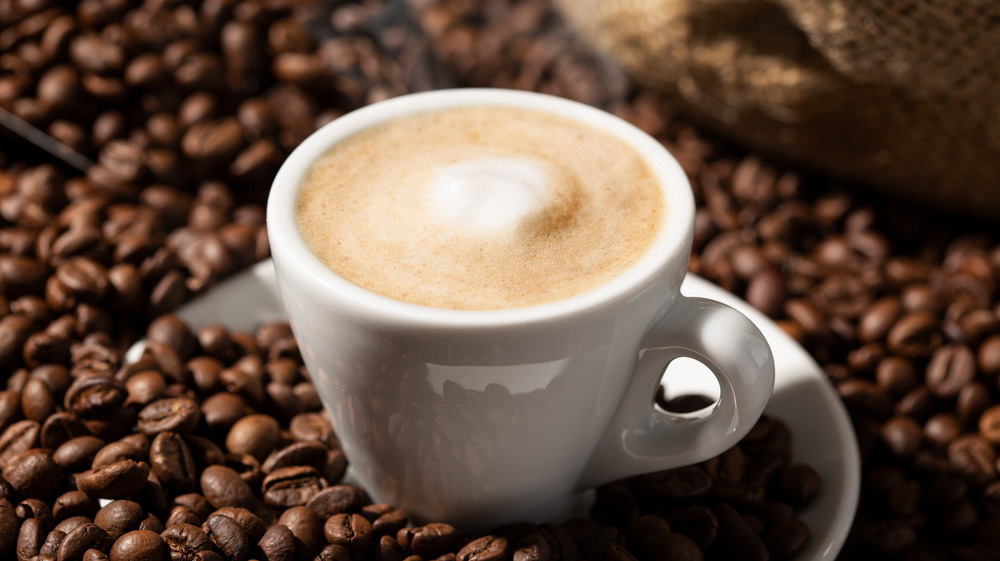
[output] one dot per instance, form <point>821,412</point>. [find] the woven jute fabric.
<point>900,94</point>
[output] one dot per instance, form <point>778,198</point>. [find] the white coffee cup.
<point>481,418</point>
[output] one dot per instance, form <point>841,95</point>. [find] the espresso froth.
<point>480,208</point>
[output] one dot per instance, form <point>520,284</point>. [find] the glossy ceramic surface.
<point>497,416</point>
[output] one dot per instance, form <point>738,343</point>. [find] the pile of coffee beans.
<point>214,445</point>
<point>188,107</point>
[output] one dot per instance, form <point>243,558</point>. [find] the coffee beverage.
<point>480,208</point>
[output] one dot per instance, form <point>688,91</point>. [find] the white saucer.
<point>803,397</point>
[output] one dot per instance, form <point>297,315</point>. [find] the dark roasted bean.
<point>277,544</point>
<point>119,517</point>
<point>185,540</point>
<point>176,414</point>
<point>253,434</point>
<point>227,536</point>
<point>139,545</point>
<point>171,460</point>
<point>307,528</point>
<point>223,487</point>
<point>114,481</point>
<point>427,541</point>
<point>352,531</point>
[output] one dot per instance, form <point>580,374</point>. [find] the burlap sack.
<point>901,94</point>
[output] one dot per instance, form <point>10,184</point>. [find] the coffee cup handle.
<point>643,437</point>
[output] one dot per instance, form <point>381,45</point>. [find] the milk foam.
<point>480,208</point>
<point>490,195</point>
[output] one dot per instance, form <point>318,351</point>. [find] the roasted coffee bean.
<point>249,385</point>
<point>223,487</point>
<point>427,541</point>
<point>307,527</point>
<point>181,514</point>
<point>973,456</point>
<point>312,426</point>
<point>352,531</point>
<point>973,400</point>
<point>14,331</point>
<point>798,484</point>
<point>902,435</point>
<point>21,275</point>
<point>119,517</point>
<point>680,484</point>
<point>10,408</point>
<point>151,523</point>
<point>988,356</point>
<point>52,542</point>
<point>35,508</point>
<point>114,481</point>
<point>139,545</point>
<point>213,140</point>
<point>173,331</point>
<point>917,403</point>
<point>216,342</point>
<point>247,466</point>
<point>133,447</point>
<point>387,549</point>
<point>171,460</point>
<point>863,395</point>
<point>204,372</point>
<point>950,369</point>
<point>736,537</point>
<point>336,466</point>
<point>74,503</point>
<point>196,503</point>
<point>227,536</point>
<point>915,335</point>
<point>72,523</point>
<point>281,397</point>
<point>888,536</point>
<point>875,323</point>
<point>37,401</point>
<point>253,526</point>
<point>989,424</point>
<point>311,454</point>
<point>94,396</point>
<point>254,434</point>
<point>668,545</point>
<point>277,544</point>
<point>534,547</point>
<point>205,451</point>
<point>786,538</point>
<point>9,525</point>
<point>896,375</point>
<point>333,552</point>
<point>80,539</point>
<point>942,428</point>
<point>176,414</point>
<point>485,548</point>
<point>145,386</point>
<point>339,499</point>
<point>17,438</point>
<point>615,505</point>
<point>33,473</point>
<point>30,538</point>
<point>185,540</point>
<point>386,519</point>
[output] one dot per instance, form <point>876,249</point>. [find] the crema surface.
<point>480,208</point>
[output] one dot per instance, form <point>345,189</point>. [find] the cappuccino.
<point>480,208</point>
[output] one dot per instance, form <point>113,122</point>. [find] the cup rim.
<point>660,259</point>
